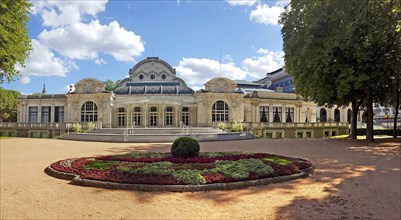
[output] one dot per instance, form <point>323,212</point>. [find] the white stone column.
<point>271,114</point>
<point>163,110</point>
<point>40,112</point>
<point>145,107</point>
<point>51,113</point>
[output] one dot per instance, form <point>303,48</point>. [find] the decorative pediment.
<point>220,85</point>
<point>89,85</point>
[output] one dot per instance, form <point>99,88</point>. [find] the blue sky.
<point>75,39</point>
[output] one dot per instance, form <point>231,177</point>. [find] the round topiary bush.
<point>185,147</point>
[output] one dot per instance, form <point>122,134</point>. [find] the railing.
<point>261,125</point>
<point>50,125</point>
<point>295,125</point>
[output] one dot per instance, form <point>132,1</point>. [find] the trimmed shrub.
<point>185,147</point>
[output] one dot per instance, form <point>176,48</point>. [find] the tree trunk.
<point>354,120</point>
<point>396,107</point>
<point>369,119</point>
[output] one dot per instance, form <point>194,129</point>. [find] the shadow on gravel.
<point>360,183</point>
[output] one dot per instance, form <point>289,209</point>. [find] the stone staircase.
<point>155,135</point>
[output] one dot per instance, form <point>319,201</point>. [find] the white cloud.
<point>85,41</point>
<point>25,80</point>
<point>264,14</point>
<point>267,61</point>
<point>65,12</point>
<point>200,70</point>
<point>283,2</point>
<point>242,2</point>
<point>42,62</point>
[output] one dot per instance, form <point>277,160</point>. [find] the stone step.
<point>173,130</point>
<point>154,138</point>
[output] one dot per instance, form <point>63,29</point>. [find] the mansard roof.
<point>153,76</point>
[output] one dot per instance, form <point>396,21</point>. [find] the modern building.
<point>154,97</point>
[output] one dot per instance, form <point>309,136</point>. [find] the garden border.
<point>77,180</point>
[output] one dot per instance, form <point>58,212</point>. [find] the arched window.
<point>349,115</point>
<point>219,111</point>
<point>89,112</point>
<point>336,115</point>
<point>323,115</point>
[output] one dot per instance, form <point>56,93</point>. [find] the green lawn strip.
<point>277,160</point>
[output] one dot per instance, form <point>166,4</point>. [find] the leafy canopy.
<point>14,41</point>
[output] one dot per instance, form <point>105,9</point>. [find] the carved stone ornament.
<point>89,86</point>
<point>221,85</point>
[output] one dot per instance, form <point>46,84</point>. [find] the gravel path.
<point>352,180</point>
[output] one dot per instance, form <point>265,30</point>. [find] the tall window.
<point>264,113</point>
<point>323,115</point>
<point>337,115</point>
<point>58,113</point>
<point>153,116</point>
<point>168,116</point>
<point>277,113</point>
<point>219,111</point>
<point>185,115</point>
<point>349,115</point>
<point>137,116</point>
<point>289,114</point>
<point>33,114</point>
<point>89,112</point>
<point>45,114</point>
<point>121,117</point>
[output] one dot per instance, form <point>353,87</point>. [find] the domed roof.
<point>153,76</point>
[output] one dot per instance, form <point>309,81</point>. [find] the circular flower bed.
<point>207,168</point>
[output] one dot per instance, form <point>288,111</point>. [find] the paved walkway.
<point>352,180</point>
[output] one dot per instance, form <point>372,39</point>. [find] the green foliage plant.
<point>277,160</point>
<point>156,168</point>
<point>221,125</point>
<point>91,126</point>
<point>14,40</point>
<point>76,127</point>
<point>237,127</point>
<point>100,165</point>
<point>242,168</point>
<point>185,147</point>
<point>8,105</point>
<point>189,177</point>
<point>144,155</point>
<point>111,85</point>
<point>343,53</point>
<point>221,154</point>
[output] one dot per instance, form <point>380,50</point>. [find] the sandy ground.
<point>352,180</point>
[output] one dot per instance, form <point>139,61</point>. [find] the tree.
<point>8,104</point>
<point>336,54</point>
<point>14,41</point>
<point>111,85</point>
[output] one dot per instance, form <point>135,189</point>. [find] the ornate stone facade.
<point>153,96</point>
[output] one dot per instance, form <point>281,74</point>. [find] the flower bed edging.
<point>76,180</point>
